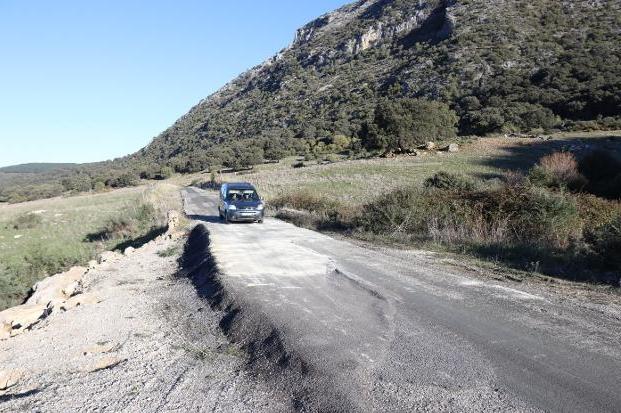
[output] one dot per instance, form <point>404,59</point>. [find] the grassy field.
<point>360,181</point>
<point>504,218</point>
<point>43,237</point>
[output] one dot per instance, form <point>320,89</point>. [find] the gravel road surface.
<point>150,345</point>
<point>360,329</point>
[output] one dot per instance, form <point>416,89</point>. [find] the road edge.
<point>269,357</point>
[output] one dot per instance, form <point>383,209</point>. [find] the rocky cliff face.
<point>501,64</point>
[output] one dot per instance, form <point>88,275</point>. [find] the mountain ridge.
<point>502,66</point>
<point>496,67</point>
<point>36,167</point>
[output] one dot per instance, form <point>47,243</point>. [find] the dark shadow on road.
<point>213,219</point>
<point>14,396</point>
<point>140,241</point>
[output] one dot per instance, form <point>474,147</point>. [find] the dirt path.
<point>150,345</point>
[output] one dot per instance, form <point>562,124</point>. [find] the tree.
<point>123,180</point>
<point>166,172</point>
<point>99,186</point>
<point>403,124</point>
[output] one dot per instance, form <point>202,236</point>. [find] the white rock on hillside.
<point>9,378</point>
<point>18,319</point>
<point>57,289</point>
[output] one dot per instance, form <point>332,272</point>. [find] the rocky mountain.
<point>495,65</point>
<point>502,65</point>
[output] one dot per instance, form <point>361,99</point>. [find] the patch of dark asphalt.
<point>268,355</point>
<point>360,284</point>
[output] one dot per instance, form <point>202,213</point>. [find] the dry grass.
<point>356,182</point>
<point>486,206</point>
<point>31,248</point>
<point>563,165</point>
<point>560,170</point>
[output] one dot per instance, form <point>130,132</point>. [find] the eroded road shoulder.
<point>150,344</point>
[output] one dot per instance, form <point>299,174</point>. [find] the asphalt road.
<point>388,330</point>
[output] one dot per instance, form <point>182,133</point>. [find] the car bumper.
<point>245,215</point>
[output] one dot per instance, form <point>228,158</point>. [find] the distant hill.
<point>36,168</point>
<point>503,65</point>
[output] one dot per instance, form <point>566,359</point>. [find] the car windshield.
<point>242,195</point>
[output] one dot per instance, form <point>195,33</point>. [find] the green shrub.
<point>403,124</point>
<point>77,183</point>
<point>446,180</point>
<point>340,142</point>
<point>506,216</point>
<point>331,158</point>
<point>572,235</point>
<point>305,200</point>
<point>404,210</point>
<point>99,186</point>
<point>166,172</point>
<point>118,227</point>
<point>595,211</point>
<point>133,222</point>
<point>538,215</point>
<point>605,242</point>
<point>125,179</point>
<point>558,170</point>
<point>43,259</point>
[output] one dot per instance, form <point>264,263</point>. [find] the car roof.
<point>239,185</point>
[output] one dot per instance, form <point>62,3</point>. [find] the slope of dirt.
<point>151,344</point>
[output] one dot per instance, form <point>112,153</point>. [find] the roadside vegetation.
<point>483,68</point>
<point>544,206</point>
<point>44,237</point>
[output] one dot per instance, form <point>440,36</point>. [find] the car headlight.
<point>260,207</point>
<point>232,207</point>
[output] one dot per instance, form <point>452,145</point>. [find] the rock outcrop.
<point>18,319</point>
<point>57,289</point>
<point>65,291</point>
<point>59,292</point>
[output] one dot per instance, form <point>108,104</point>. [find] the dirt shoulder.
<point>150,344</point>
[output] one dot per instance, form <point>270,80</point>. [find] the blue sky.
<point>84,81</point>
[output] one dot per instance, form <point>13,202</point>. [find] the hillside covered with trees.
<point>501,66</point>
<point>383,75</point>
